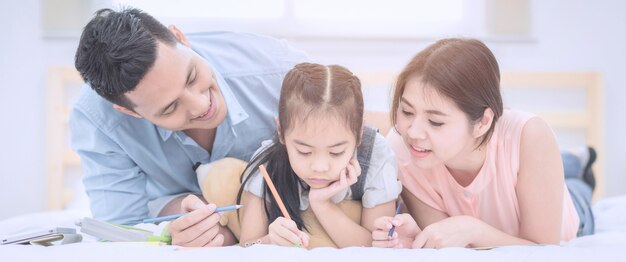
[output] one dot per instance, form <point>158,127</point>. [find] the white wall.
<point>568,36</point>
<point>21,98</point>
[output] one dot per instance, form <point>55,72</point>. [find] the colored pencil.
<point>393,228</point>
<point>269,183</point>
<point>172,217</point>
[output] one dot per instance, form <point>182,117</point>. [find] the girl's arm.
<point>253,220</point>
<point>255,229</point>
<point>341,229</point>
<point>345,232</point>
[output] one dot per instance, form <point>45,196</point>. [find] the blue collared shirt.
<point>128,161</point>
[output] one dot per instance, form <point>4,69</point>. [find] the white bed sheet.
<point>608,244</point>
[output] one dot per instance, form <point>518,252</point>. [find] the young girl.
<point>474,174</point>
<point>313,163</point>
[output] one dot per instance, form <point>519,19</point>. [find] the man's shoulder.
<point>235,38</point>
<point>95,110</point>
<point>238,53</point>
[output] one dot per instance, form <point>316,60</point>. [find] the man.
<point>159,103</point>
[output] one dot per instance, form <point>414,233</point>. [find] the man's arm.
<point>115,184</point>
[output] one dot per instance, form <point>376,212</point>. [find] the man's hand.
<point>200,227</point>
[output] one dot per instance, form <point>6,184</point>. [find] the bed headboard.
<point>63,164</point>
<point>571,102</point>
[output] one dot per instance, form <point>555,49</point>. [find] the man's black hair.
<point>117,49</point>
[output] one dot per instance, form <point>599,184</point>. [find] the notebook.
<point>57,235</point>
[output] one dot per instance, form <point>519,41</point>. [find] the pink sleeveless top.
<point>491,196</point>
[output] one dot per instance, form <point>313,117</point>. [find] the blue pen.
<point>172,217</point>
<point>393,228</point>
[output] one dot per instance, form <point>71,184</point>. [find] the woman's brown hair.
<point>463,70</point>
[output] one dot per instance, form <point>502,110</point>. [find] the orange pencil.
<point>274,192</point>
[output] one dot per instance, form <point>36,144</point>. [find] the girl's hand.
<point>347,177</point>
<point>284,232</point>
<point>403,235</point>
<point>457,231</point>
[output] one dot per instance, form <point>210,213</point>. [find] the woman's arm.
<point>540,184</point>
<point>369,215</point>
<point>464,231</point>
<point>423,214</point>
<point>440,230</point>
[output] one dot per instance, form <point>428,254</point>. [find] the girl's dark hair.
<point>308,90</point>
<point>117,49</point>
<point>463,70</point>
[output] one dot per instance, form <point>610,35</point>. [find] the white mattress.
<point>608,244</point>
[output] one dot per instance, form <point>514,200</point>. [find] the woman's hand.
<point>347,177</point>
<point>404,233</point>
<point>284,232</point>
<point>456,231</point>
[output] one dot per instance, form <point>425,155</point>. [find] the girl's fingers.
<point>356,165</point>
<point>343,179</point>
<point>286,232</point>
<point>304,238</point>
<point>351,174</point>
<point>295,236</point>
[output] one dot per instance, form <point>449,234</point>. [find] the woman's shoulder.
<point>510,125</point>
<point>537,135</point>
<point>511,117</point>
<point>516,131</point>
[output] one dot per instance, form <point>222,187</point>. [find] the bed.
<point>606,245</point>
<point>576,121</point>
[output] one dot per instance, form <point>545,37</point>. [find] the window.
<point>340,19</point>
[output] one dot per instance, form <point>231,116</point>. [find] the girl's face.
<point>319,148</point>
<point>433,128</point>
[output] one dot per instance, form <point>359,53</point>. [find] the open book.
<point>105,231</point>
